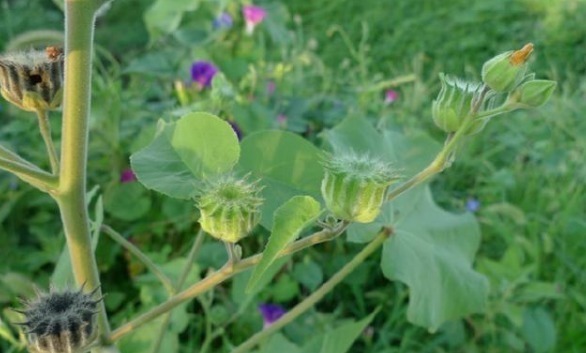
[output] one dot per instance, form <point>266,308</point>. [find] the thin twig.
<point>45,127</point>
<point>118,238</point>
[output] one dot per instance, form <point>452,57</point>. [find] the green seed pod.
<point>229,208</point>
<point>33,81</point>
<point>453,103</point>
<point>505,71</point>
<point>354,186</point>
<point>61,322</point>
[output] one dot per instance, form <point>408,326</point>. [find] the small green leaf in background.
<point>164,16</point>
<point>308,273</point>
<point>287,164</point>
<point>432,252</point>
<point>340,340</point>
<point>127,201</point>
<point>289,220</point>
<point>182,154</point>
<point>206,144</point>
<point>278,343</point>
<point>539,330</point>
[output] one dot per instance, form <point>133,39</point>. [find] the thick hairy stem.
<point>71,194</point>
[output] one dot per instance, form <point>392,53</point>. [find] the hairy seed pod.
<point>229,208</point>
<point>354,186</point>
<point>33,80</point>
<point>60,322</point>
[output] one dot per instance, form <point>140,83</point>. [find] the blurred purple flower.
<point>203,72</point>
<point>282,119</point>
<point>271,87</point>
<point>472,205</point>
<point>127,176</point>
<point>253,15</point>
<point>391,96</point>
<point>271,313</point>
<point>224,20</point>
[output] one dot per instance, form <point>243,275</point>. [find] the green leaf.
<point>164,16</point>
<point>197,146</point>
<point>409,153</point>
<point>206,144</point>
<point>289,220</point>
<point>159,167</point>
<point>278,343</point>
<point>539,330</point>
<point>127,201</point>
<point>287,165</point>
<point>432,252</point>
<point>340,340</point>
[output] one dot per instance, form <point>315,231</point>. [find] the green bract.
<point>454,102</point>
<point>354,186</point>
<point>533,94</point>
<point>505,71</point>
<point>229,207</point>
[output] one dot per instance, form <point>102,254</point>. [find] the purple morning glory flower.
<point>271,313</point>
<point>224,20</point>
<point>472,205</point>
<point>203,72</point>
<point>391,96</point>
<point>127,176</point>
<point>253,15</point>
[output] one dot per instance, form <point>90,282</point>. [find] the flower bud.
<point>354,186</point>
<point>61,322</point>
<point>33,81</point>
<point>532,94</point>
<point>453,103</point>
<point>229,208</point>
<point>503,72</point>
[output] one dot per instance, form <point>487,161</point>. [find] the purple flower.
<point>203,72</point>
<point>472,205</point>
<point>253,15</point>
<point>127,176</point>
<point>391,96</point>
<point>224,20</point>
<point>271,313</point>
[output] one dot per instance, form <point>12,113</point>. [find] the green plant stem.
<point>45,127</point>
<point>71,195</point>
<point>316,296</point>
<point>226,272</point>
<point>118,238</point>
<point>184,274</point>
